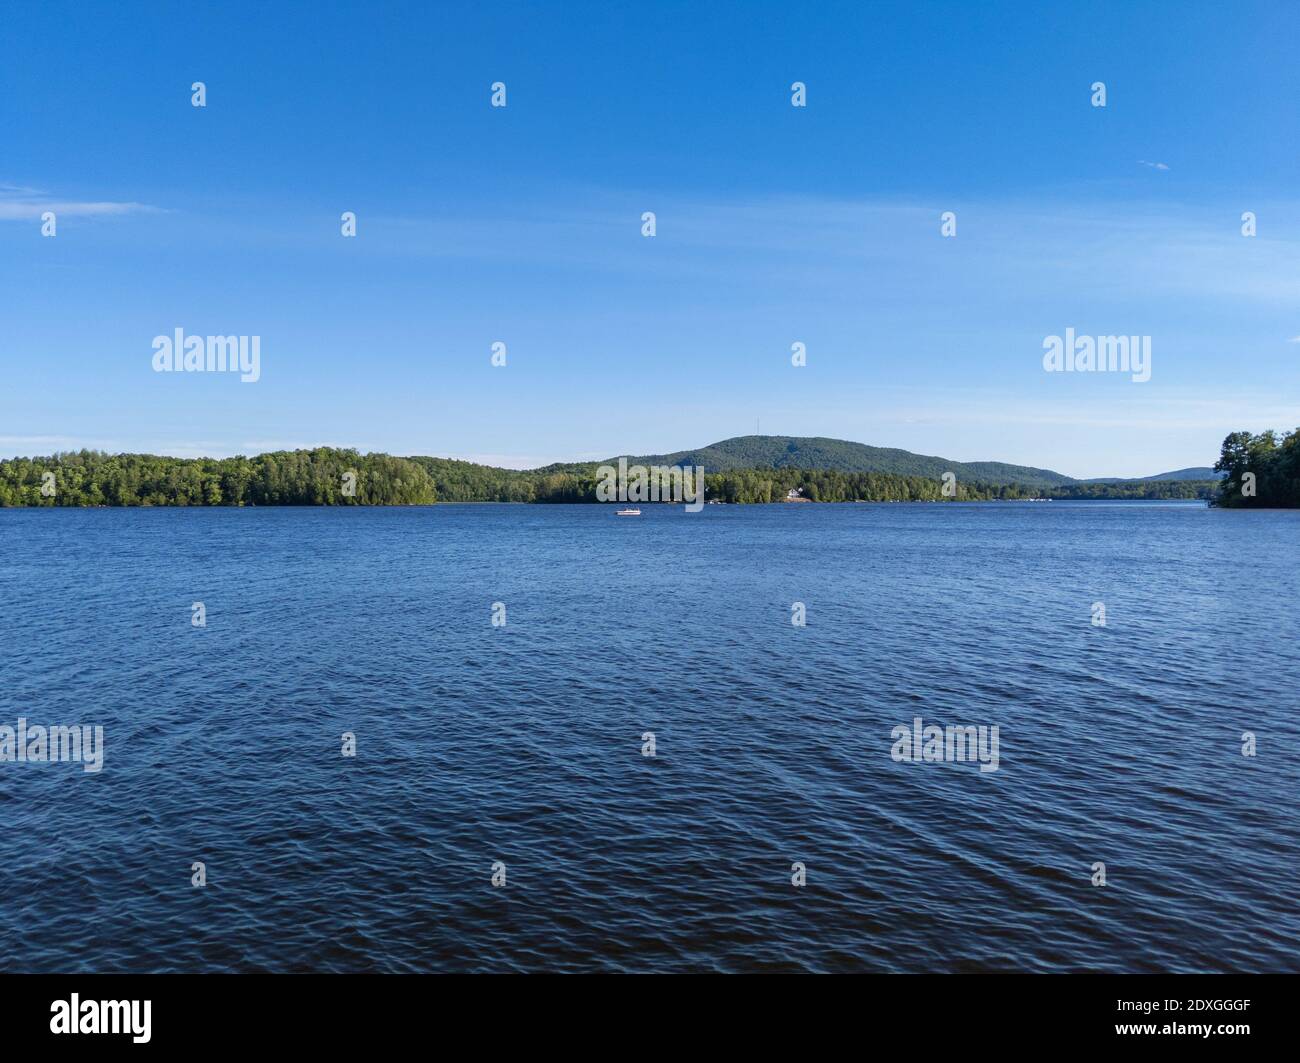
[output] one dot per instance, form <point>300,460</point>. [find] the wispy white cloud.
<point>25,204</point>
<point>20,444</point>
<point>1153,165</point>
<point>513,461</point>
<point>1045,248</point>
<point>264,446</point>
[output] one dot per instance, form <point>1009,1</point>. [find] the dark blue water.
<point>522,743</point>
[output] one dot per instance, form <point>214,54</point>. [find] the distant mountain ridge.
<point>1197,472</point>
<point>841,455</point>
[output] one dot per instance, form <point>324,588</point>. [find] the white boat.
<point>628,513</point>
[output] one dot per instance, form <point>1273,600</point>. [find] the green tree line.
<point>283,478</point>
<point>328,476</point>
<point>1260,470</point>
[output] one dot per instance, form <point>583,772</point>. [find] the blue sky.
<point>775,225</point>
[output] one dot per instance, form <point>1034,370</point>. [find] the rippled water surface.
<point>522,744</point>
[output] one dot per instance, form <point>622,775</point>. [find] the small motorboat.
<point>628,513</point>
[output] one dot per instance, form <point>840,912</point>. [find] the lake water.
<point>522,743</point>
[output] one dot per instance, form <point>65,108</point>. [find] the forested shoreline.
<point>1260,470</point>
<point>329,476</point>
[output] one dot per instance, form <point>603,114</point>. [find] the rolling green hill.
<point>839,455</point>
<point>1199,472</point>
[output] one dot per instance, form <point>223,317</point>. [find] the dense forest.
<point>772,485</point>
<point>1260,470</point>
<point>1154,490</point>
<point>329,476</point>
<point>283,478</point>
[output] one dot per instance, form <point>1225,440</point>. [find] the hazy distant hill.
<point>839,455</point>
<point>1198,472</point>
